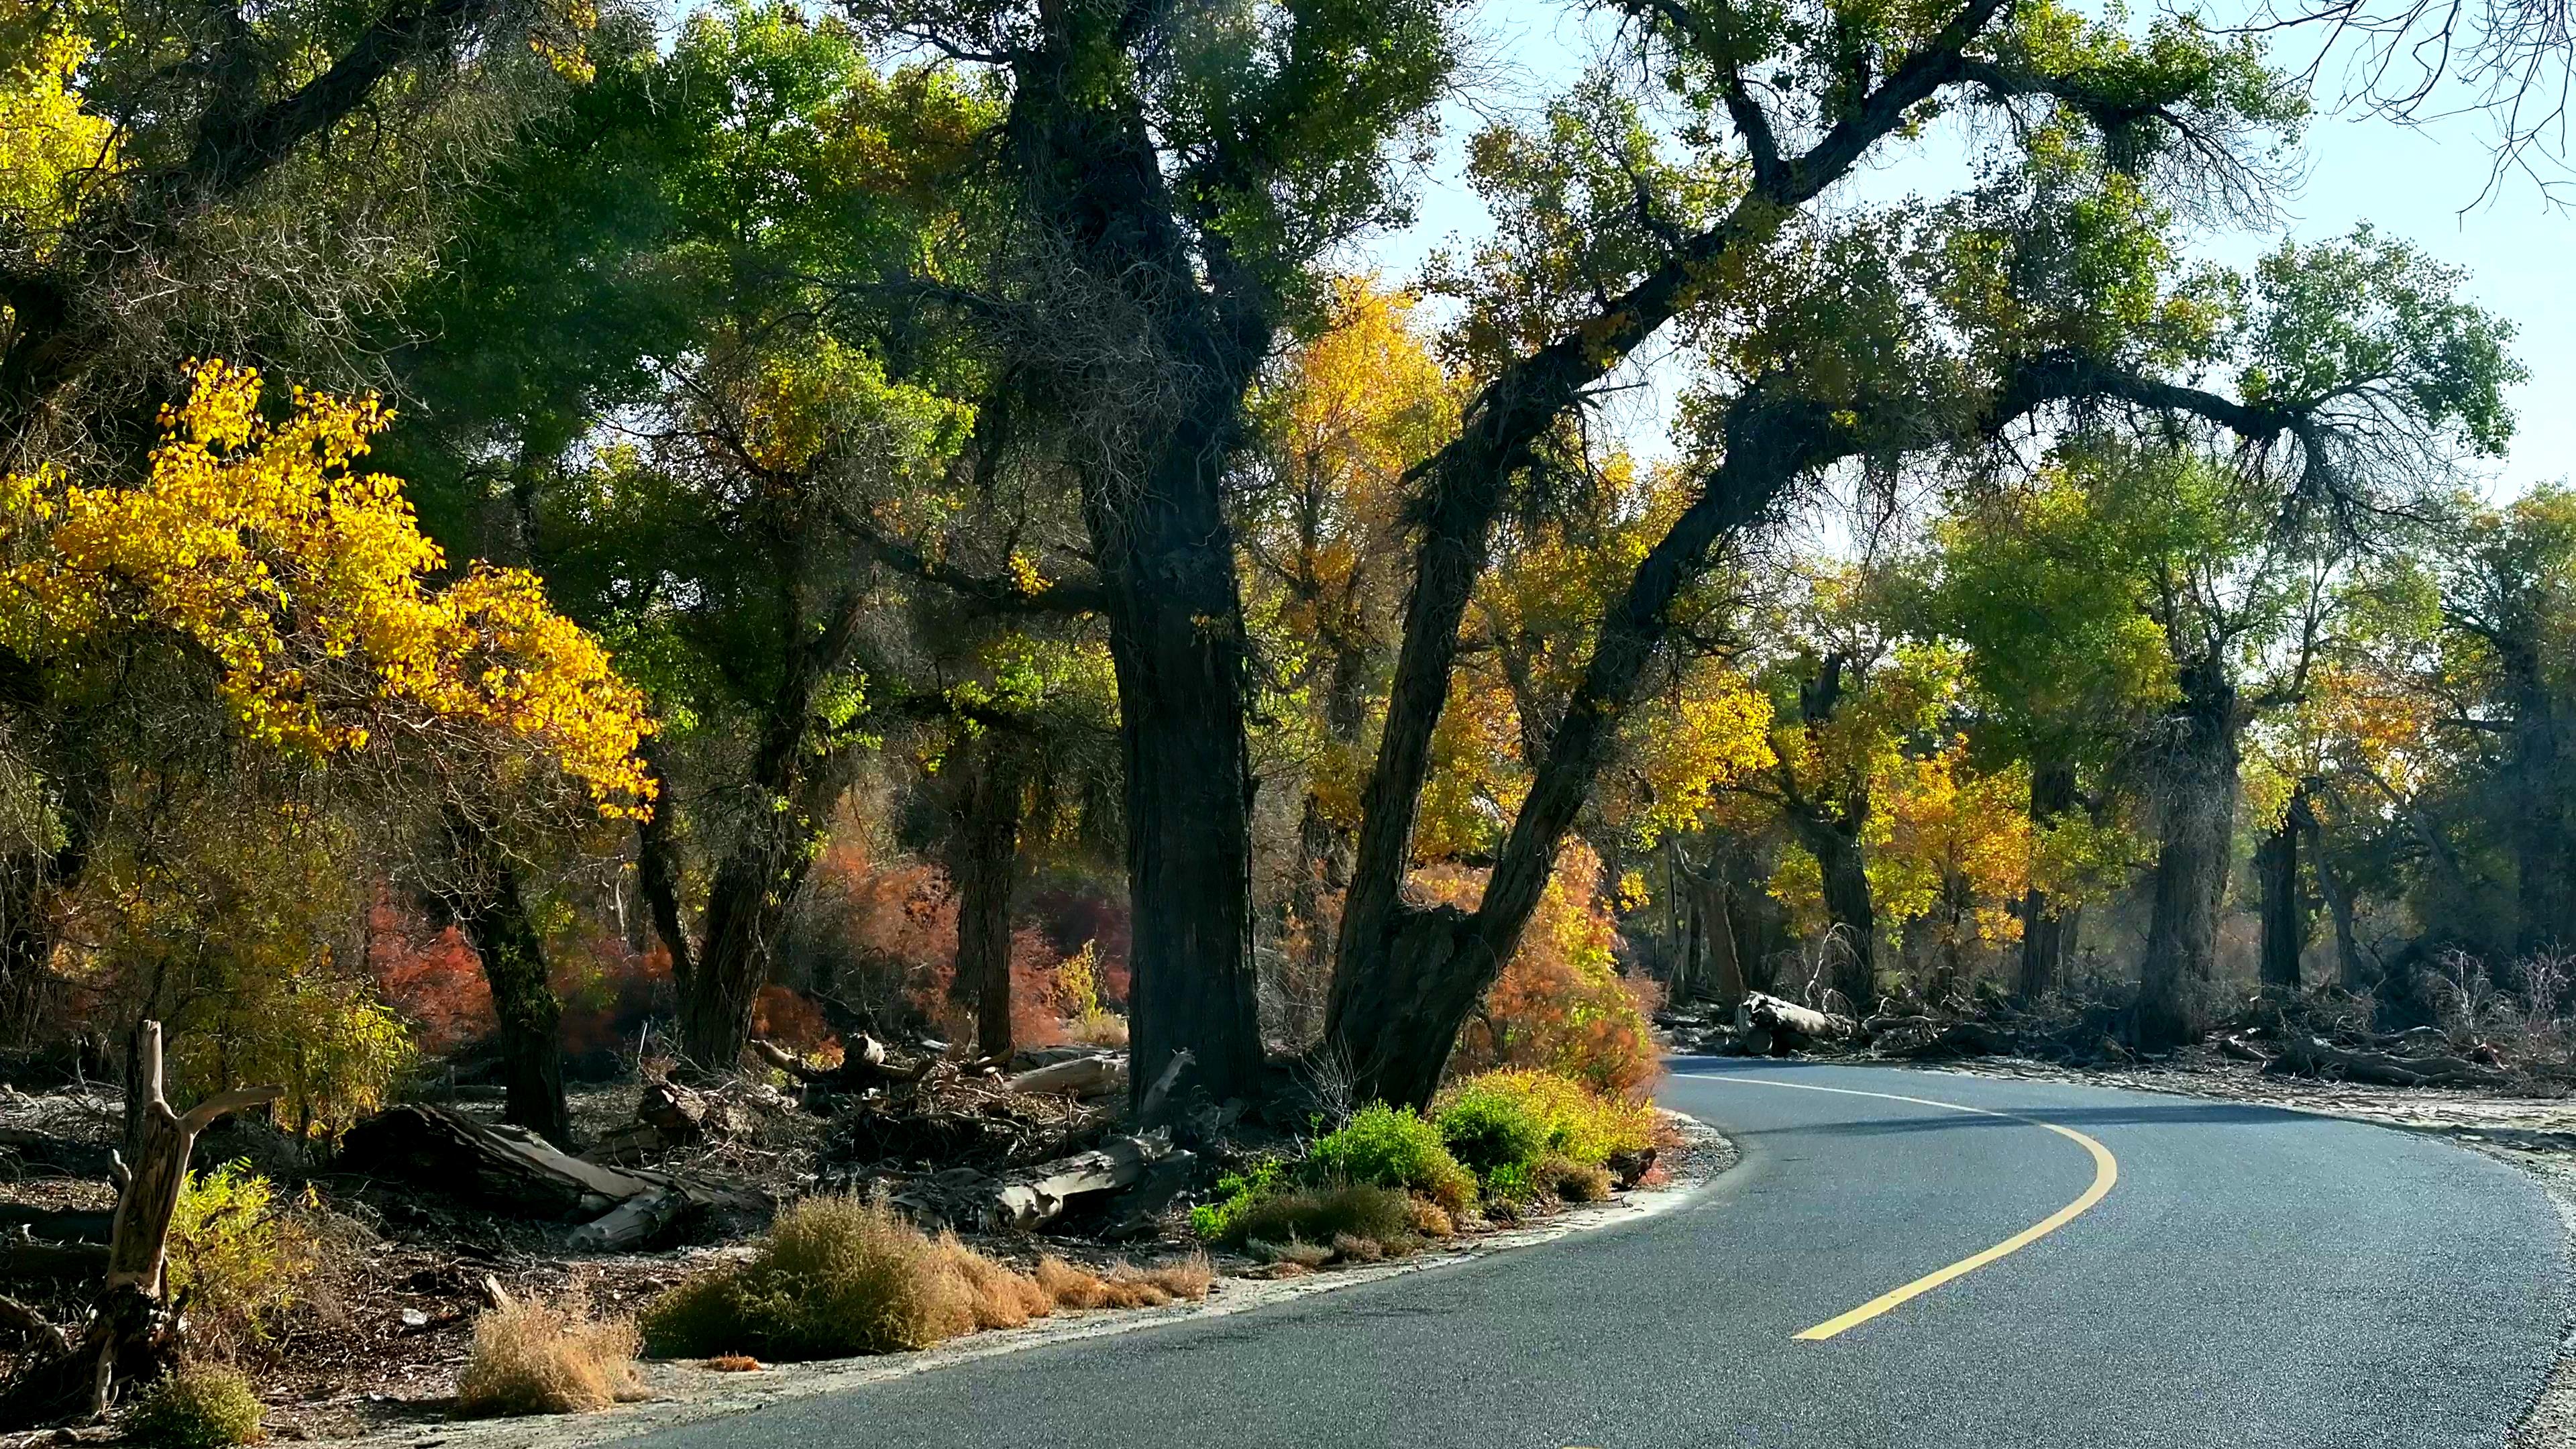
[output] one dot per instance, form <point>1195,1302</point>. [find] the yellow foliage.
<point>47,140</point>
<point>237,1258</point>
<point>305,582</point>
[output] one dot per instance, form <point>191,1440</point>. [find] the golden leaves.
<point>304,583</point>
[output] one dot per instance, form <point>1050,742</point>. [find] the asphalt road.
<point>2252,1278</point>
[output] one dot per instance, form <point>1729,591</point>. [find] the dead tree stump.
<point>132,1336</point>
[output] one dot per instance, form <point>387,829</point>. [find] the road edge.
<point>683,1393</point>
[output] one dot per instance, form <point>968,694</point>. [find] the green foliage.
<point>1236,1193</point>
<point>199,1406</point>
<point>238,1256</point>
<point>1567,1118</point>
<point>835,1276</point>
<point>1387,1146</point>
<point>1489,1129</point>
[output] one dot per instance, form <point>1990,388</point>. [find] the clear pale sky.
<point>2422,184</point>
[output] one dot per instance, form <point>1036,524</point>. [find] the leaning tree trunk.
<point>1721,981</point>
<point>133,1335</point>
<point>2197,820</point>
<point>985,861</point>
<point>492,909</point>
<point>2285,910</point>
<point>2044,934</point>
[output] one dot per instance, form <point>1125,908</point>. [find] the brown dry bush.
<point>544,1358</point>
<point>1070,1286</point>
<point>1571,1181</point>
<point>1429,1219</point>
<point>1296,1252</point>
<point>1002,1298</point>
<point>835,1277</point>
<point>1319,1215</point>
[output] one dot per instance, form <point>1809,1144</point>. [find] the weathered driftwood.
<point>1149,1109</point>
<point>1037,1195</point>
<point>2305,1055</point>
<point>1092,1076</point>
<point>133,1335</point>
<point>499,1166</point>
<point>61,1225</point>
<point>1785,1025</point>
<point>634,1223</point>
<point>864,1064</point>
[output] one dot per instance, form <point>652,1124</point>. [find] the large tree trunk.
<point>1851,945</point>
<point>2351,973</point>
<point>985,862</point>
<point>2196,809</point>
<point>1721,982</point>
<point>490,906</point>
<point>756,885</point>
<point>2285,909</point>
<point>1408,976</point>
<point>2538,829</point>
<point>2044,934</point>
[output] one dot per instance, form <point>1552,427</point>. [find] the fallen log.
<point>1786,1025</point>
<point>24,1258</point>
<point>1038,1195</point>
<point>863,1065</point>
<point>2305,1055</point>
<point>1092,1076</point>
<point>497,1165</point>
<point>634,1223</point>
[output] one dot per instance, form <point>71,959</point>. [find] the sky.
<point>2427,184</point>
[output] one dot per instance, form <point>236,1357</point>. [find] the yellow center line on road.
<point>2106,1171</point>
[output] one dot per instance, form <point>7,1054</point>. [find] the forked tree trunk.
<point>133,1336</point>
<point>2197,831</point>
<point>491,907</point>
<point>1852,944</point>
<point>985,862</point>
<point>2044,934</point>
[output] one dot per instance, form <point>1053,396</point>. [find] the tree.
<point>1175,175</point>
<point>255,570</point>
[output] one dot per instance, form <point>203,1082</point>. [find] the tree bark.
<point>491,907</point>
<point>985,862</point>
<point>2285,910</point>
<point>2044,934</point>
<point>798,780</point>
<point>2197,825</point>
<point>1851,945</point>
<point>1723,984</point>
<point>2536,782</point>
<point>2351,972</point>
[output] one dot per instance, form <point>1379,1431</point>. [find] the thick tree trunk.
<point>2351,973</point>
<point>756,885</point>
<point>2044,936</point>
<point>2536,783</point>
<point>985,862</point>
<point>2285,909</point>
<point>1851,946</point>
<point>2196,808</point>
<point>1722,984</point>
<point>1407,977</point>
<point>491,908</point>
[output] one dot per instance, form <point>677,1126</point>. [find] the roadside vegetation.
<point>751,632</point>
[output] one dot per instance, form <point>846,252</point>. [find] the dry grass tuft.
<point>733,1363</point>
<point>1296,1252</point>
<point>1070,1286</point>
<point>1002,1298</point>
<point>1430,1220</point>
<point>1572,1181</point>
<point>1353,1249</point>
<point>543,1358</point>
<point>837,1276</point>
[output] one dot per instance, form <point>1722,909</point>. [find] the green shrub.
<point>1320,1214</point>
<point>1385,1146</point>
<point>238,1256</point>
<point>1487,1129</point>
<point>1235,1191</point>
<point>1579,1124</point>
<point>201,1406</point>
<point>836,1276</point>
<point>1510,1183</point>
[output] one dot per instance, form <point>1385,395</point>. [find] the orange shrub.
<point>1560,1004</point>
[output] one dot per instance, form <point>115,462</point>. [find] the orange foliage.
<point>782,1016</point>
<point>1560,1005</point>
<point>608,990</point>
<point>429,975</point>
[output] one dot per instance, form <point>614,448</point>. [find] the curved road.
<point>2252,1278</point>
